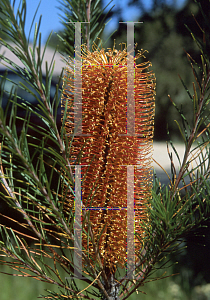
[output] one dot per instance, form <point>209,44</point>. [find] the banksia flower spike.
<point>107,150</point>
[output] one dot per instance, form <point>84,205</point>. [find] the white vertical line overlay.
<point>77,81</point>
<point>130,80</point>
<point>78,224</point>
<point>130,223</point>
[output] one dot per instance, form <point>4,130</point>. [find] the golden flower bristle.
<point>107,150</point>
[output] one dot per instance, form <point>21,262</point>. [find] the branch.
<point>191,138</point>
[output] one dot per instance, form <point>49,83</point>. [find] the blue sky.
<point>50,18</point>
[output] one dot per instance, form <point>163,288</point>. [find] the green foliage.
<point>35,169</point>
<point>90,14</point>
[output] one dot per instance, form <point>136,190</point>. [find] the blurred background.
<point>167,39</point>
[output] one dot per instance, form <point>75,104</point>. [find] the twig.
<point>191,138</point>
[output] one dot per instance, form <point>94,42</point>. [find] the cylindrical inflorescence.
<point>106,150</point>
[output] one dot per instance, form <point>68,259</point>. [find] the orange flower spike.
<point>108,150</point>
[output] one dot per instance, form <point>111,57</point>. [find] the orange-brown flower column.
<point>108,151</point>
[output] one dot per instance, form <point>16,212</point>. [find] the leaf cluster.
<point>93,20</point>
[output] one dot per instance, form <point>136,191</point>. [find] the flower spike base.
<point>108,152</point>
